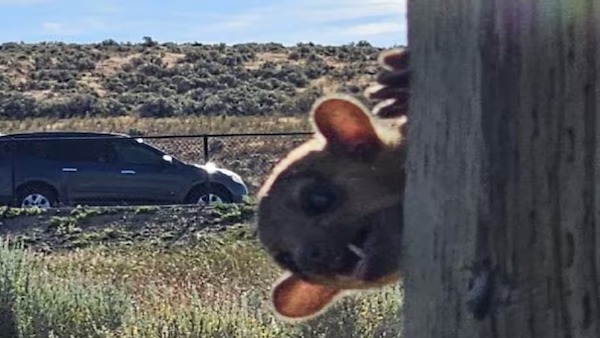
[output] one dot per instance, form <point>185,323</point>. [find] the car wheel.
<point>212,194</point>
<point>36,196</point>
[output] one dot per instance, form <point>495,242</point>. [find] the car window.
<point>104,152</point>
<point>46,149</point>
<point>5,150</point>
<point>76,150</point>
<point>99,151</point>
<point>136,153</point>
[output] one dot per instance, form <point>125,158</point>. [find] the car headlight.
<point>212,168</point>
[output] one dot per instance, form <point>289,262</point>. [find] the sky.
<point>328,22</point>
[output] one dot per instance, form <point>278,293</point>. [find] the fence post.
<point>205,140</point>
<point>12,146</point>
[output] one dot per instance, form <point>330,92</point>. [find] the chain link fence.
<point>252,155</point>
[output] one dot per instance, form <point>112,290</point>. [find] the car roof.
<point>63,134</point>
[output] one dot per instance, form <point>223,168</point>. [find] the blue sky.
<point>381,22</point>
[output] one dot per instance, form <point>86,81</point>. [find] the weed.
<point>9,212</point>
<point>146,209</point>
<point>38,304</point>
<point>234,213</point>
<point>214,286</point>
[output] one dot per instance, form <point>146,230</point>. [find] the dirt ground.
<point>72,228</point>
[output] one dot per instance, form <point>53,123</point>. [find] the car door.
<point>89,171</point>
<point>146,175</point>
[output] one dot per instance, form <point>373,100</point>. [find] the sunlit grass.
<point>216,286</point>
<point>161,126</point>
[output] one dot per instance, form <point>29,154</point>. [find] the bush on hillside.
<point>153,79</point>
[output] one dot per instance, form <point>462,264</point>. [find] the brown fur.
<point>331,212</point>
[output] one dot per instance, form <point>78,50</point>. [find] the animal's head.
<point>330,213</point>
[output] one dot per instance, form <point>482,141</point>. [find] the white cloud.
<point>343,21</point>
<point>79,27</point>
<point>236,22</point>
<point>372,29</point>
<point>57,28</point>
<point>336,10</point>
<point>311,20</point>
<point>106,7</point>
<point>307,11</point>
<point>288,22</point>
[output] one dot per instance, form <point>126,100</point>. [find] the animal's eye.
<point>318,198</point>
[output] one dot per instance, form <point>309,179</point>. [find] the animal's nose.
<point>312,259</point>
<point>313,253</point>
<point>319,259</point>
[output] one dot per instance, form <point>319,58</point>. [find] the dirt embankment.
<point>72,228</point>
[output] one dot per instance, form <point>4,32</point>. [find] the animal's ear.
<point>295,299</point>
<point>346,125</point>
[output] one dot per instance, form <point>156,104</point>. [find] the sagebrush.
<point>216,286</point>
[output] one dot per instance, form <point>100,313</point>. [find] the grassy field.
<point>215,283</point>
<point>161,126</point>
<point>167,272</point>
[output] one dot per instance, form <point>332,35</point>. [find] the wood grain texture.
<point>503,168</point>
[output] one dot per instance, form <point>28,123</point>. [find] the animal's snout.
<point>308,259</point>
<point>316,259</point>
<point>313,253</point>
<point>312,259</point>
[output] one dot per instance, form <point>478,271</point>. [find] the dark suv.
<point>48,168</point>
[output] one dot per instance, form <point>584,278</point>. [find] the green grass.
<point>8,212</point>
<point>80,215</point>
<point>216,286</point>
<point>35,303</point>
<point>161,126</point>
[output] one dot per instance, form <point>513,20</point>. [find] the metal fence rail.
<point>251,155</point>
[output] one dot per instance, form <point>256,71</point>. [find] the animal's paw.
<point>393,84</point>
